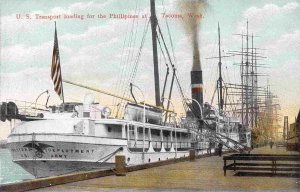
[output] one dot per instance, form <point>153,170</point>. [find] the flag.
<point>56,69</point>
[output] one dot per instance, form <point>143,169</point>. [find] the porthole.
<point>128,159</point>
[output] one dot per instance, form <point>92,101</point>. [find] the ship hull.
<point>45,155</point>
<point>43,158</point>
<point>47,168</point>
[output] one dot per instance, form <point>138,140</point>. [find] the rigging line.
<point>160,65</point>
<point>165,46</point>
<point>228,81</point>
<point>123,75</point>
<point>133,74</point>
<point>167,66</point>
<point>131,59</point>
<point>117,85</point>
<point>129,51</point>
<point>165,59</point>
<point>105,159</point>
<point>173,66</point>
<point>123,90</point>
<point>132,68</point>
<point>139,52</point>
<point>211,80</point>
<point>213,96</point>
<point>180,89</point>
<point>129,44</point>
<point>128,63</point>
<point>109,155</point>
<point>136,62</point>
<point>170,37</point>
<point>212,77</point>
<point>229,99</point>
<point>227,76</point>
<point>170,60</point>
<point>169,57</point>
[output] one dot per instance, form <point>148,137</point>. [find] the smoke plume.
<point>192,9</point>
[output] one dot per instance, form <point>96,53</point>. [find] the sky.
<point>107,53</point>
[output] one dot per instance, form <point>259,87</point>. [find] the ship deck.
<point>202,174</point>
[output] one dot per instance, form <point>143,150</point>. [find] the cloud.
<point>13,26</point>
<point>288,41</point>
<point>258,16</point>
<point>113,29</point>
<point>18,57</point>
<point>25,84</point>
<point>79,7</point>
<point>22,54</point>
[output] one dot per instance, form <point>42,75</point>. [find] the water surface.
<point>11,172</point>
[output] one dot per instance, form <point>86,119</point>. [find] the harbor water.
<point>11,172</point>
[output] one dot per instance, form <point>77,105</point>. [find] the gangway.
<point>224,140</point>
<point>208,132</point>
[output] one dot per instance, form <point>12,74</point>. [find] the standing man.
<point>220,146</point>
<point>271,144</point>
<point>209,147</point>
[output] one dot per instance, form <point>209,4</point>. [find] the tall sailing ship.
<point>73,136</point>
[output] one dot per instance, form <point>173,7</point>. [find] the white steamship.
<point>82,136</point>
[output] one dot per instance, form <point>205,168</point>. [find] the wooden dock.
<point>202,174</point>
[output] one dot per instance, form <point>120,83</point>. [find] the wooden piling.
<point>192,154</point>
<point>120,165</point>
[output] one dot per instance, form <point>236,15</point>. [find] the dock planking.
<point>202,174</point>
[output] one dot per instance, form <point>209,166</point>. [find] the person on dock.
<point>271,144</point>
<point>210,145</point>
<point>220,146</point>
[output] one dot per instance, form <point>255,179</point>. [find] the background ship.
<point>52,140</point>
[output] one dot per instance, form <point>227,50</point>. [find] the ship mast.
<point>221,101</point>
<point>247,79</point>
<point>155,58</point>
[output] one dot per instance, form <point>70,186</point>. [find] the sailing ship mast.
<point>247,80</point>
<point>221,101</point>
